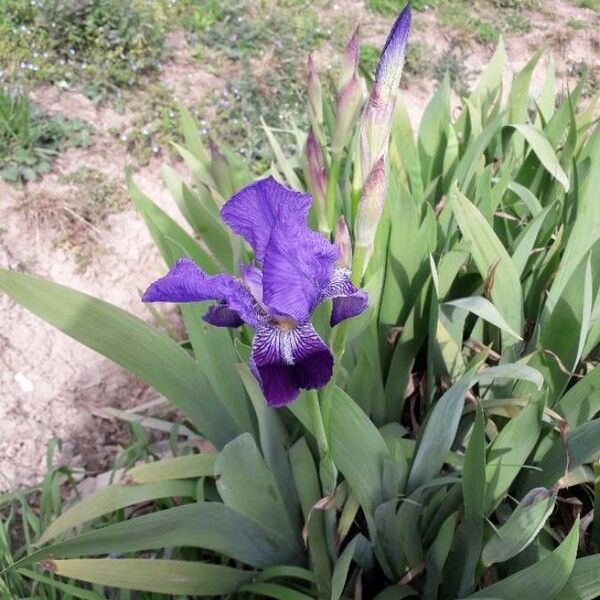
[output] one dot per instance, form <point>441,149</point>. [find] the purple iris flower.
<point>295,270</point>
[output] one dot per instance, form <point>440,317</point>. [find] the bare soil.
<point>52,386</point>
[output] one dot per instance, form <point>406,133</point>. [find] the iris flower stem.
<point>359,264</point>
<point>331,192</point>
<point>327,470</point>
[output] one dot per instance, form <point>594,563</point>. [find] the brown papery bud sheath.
<point>349,64</point>
<point>348,102</point>
<point>371,205</point>
<point>316,176</point>
<point>343,243</point>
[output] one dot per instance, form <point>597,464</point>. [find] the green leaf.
<point>128,341</point>
<point>432,133</point>
<point>586,229</point>
<point>113,498</point>
<point>163,229</point>
<point>247,485</point>
<point>340,570</point>
<point>160,576</point>
<point>209,525</point>
<point>181,467</point>
<point>584,581</point>
<point>215,354</point>
<point>509,451</point>
<point>526,241</point>
<point>193,141</point>
<point>562,333</point>
<point>398,591</point>
<point>518,98</point>
<point>283,162</point>
<point>511,371</point>
<point>198,169</point>
<point>486,310</point>
<point>211,230</point>
<point>583,447</point>
<point>524,523</point>
<point>309,492</point>
<point>70,590</point>
<point>489,84</point>
<point>403,150</point>
<point>437,555</point>
<point>543,150</point>
<point>547,577</point>
<point>273,590</point>
<point>358,450</point>
<point>274,443</point>
<point>440,430</point>
<point>492,260</point>
<point>469,538</point>
<point>581,402</point>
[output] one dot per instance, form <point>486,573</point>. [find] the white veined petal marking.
<point>286,340</point>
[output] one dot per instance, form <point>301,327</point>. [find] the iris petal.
<point>186,282</point>
<point>348,301</point>
<point>298,266</point>
<point>253,278</point>
<point>285,361</point>
<point>220,315</point>
<point>255,210</point>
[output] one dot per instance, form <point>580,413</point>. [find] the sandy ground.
<point>52,386</point>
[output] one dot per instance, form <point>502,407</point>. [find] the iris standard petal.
<point>256,209</point>
<point>297,268</point>
<point>253,278</point>
<point>285,360</point>
<point>348,301</point>
<point>186,282</point>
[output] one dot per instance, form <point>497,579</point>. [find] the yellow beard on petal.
<point>285,324</point>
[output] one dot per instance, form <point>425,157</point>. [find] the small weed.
<point>485,32</point>
<point>449,64</point>
<point>591,4</point>
<point>367,61</point>
<point>515,4</point>
<point>393,7</point>
<point>30,139</point>
<point>577,24</point>
<point>516,23</point>
<point>590,74</point>
<point>155,125</point>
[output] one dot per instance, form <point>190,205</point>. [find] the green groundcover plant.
<point>30,139</point>
<point>431,351</point>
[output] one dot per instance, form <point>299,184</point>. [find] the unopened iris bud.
<point>343,243</point>
<point>350,61</point>
<point>371,206</point>
<point>375,131</point>
<point>377,117</point>
<point>316,176</point>
<point>391,62</point>
<point>348,102</point>
<point>315,94</point>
